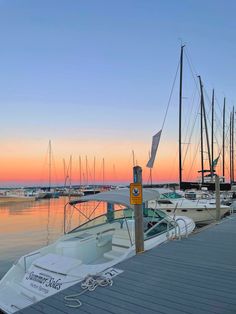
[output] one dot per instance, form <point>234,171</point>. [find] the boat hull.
<point>70,259</point>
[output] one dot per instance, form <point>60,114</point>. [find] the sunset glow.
<point>100,80</point>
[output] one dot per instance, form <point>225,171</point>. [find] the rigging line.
<point>192,69</point>
<point>170,97</point>
<point>190,170</point>
<point>226,137</point>
<point>209,101</point>
<point>44,166</point>
<point>221,128</point>
<point>190,137</point>
<point>54,166</point>
<point>171,169</point>
<point>221,112</point>
<point>220,106</point>
<point>191,134</point>
<point>189,114</point>
<point>215,134</point>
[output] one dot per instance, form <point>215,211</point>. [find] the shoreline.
<point>17,199</point>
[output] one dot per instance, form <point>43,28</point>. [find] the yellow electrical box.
<point>136,194</point>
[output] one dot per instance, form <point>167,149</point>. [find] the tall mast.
<point>212,131</point>
<point>233,145</point>
<point>203,111</point>
<point>50,165</point>
<point>64,171</point>
<point>206,131</point>
<point>80,172</point>
<point>202,161</point>
<point>86,163</point>
<point>103,172</point>
<point>70,170</point>
<point>223,145</point>
<point>94,169</point>
<point>180,115</point>
<point>230,147</point>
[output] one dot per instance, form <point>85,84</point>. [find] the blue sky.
<point>88,70</point>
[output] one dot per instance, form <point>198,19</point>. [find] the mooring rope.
<point>90,283</point>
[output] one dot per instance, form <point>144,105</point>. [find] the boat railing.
<point>176,206</point>
<point>185,225</point>
<point>177,229</point>
<point>169,223</point>
<point>26,257</point>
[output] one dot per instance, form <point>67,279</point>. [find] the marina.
<point>117,163</point>
<point>96,243</point>
<point>99,236</point>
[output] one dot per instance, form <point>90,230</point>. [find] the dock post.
<point>136,199</point>
<point>217,188</point>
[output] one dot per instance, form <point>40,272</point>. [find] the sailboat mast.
<point>103,172</point>
<point>230,147</point>
<point>180,115</point>
<point>80,172</point>
<point>212,131</point>
<point>201,103</point>
<point>65,174</point>
<point>206,131</point>
<point>70,171</point>
<point>203,111</point>
<point>50,165</point>
<point>233,145</point>
<point>223,145</point>
<point>94,170</point>
<point>86,163</point>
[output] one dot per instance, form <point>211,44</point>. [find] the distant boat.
<point>46,194</point>
<point>71,192</point>
<point>202,211</point>
<point>90,248</point>
<point>89,190</point>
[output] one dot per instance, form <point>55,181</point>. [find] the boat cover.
<point>121,196</point>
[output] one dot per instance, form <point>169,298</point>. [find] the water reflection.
<point>25,227</point>
<point>28,226</point>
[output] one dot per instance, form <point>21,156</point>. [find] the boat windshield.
<point>121,216</point>
<point>171,194</point>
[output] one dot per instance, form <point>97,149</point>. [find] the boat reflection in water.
<point>105,237</point>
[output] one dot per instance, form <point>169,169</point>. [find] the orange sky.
<point>28,162</point>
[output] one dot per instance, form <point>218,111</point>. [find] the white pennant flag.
<point>155,143</point>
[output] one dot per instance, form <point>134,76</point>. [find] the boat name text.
<point>45,280</point>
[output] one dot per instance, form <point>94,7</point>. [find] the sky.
<point>95,78</point>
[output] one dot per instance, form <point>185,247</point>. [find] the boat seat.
<point>113,254</point>
<point>121,240</point>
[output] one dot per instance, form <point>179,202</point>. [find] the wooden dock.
<point>194,275</point>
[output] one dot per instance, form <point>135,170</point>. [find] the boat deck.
<point>194,275</point>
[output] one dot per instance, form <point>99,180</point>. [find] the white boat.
<point>91,248</point>
<point>202,211</point>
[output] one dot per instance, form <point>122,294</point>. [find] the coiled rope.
<point>90,283</point>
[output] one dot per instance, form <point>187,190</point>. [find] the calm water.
<point>25,227</point>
